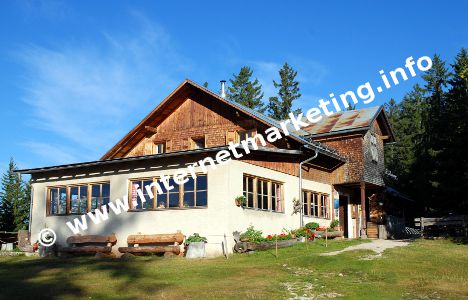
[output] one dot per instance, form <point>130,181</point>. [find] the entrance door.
<point>344,214</point>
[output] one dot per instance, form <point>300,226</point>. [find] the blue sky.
<point>75,76</point>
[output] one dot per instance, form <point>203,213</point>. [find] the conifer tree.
<point>454,171</point>
<point>245,91</point>
<point>11,197</point>
<point>279,108</point>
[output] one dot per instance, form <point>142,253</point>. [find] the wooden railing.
<point>455,225</point>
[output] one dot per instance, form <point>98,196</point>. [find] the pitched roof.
<point>350,121</point>
<point>169,103</point>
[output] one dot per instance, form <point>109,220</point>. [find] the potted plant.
<point>335,225</point>
<point>196,246</point>
<point>241,200</point>
<point>312,225</point>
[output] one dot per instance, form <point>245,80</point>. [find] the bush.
<point>334,223</point>
<point>312,225</point>
<point>252,235</point>
<point>194,238</point>
<point>300,232</point>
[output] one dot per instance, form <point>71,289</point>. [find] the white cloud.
<point>58,154</point>
<point>90,94</point>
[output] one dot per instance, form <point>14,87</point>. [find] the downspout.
<point>301,195</point>
<point>30,212</point>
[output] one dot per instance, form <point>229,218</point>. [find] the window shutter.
<point>169,146</point>
<point>230,137</point>
<point>148,147</point>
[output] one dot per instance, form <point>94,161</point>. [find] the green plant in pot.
<point>312,225</point>
<point>196,246</point>
<point>241,200</point>
<point>251,235</point>
<point>195,238</point>
<point>335,225</point>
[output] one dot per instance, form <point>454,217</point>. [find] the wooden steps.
<point>372,230</point>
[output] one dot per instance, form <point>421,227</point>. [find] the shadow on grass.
<point>79,277</point>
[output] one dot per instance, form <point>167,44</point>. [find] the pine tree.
<point>429,164</point>
<point>279,108</point>
<point>11,197</point>
<point>454,171</point>
<point>21,208</point>
<point>244,91</point>
<point>431,127</point>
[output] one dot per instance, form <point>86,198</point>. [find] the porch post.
<point>363,211</point>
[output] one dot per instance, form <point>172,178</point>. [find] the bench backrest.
<point>87,239</point>
<point>177,237</point>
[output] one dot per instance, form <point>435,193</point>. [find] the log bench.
<point>89,244</point>
<point>154,243</point>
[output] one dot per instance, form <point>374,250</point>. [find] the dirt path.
<point>378,246</point>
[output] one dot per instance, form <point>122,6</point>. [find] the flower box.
<point>242,247</point>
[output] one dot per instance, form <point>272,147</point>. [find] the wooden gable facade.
<point>190,114</point>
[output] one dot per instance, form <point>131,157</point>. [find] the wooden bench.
<point>153,243</point>
<point>90,244</point>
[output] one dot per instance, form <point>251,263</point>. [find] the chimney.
<point>223,90</point>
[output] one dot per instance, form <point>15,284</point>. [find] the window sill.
<point>168,209</point>
<point>313,217</point>
<point>263,210</point>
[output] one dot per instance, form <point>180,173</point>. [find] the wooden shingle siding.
<point>199,117</point>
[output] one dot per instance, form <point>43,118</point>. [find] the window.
<point>198,143</point>
<point>248,191</point>
<point>373,148</point>
<point>276,198</point>
<point>324,206</point>
<point>142,185</point>
<point>315,204</point>
<point>159,148</point>
<point>58,200</point>
<point>305,198</point>
<point>262,194</point>
<point>243,135</point>
<point>193,193</point>
<point>100,195</point>
<point>77,198</point>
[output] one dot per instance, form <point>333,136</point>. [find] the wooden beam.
<point>81,239</point>
<point>150,249</point>
<point>363,210</point>
<point>151,129</point>
<point>156,238</point>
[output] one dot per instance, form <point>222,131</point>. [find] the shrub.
<point>334,223</point>
<point>252,235</point>
<point>312,225</point>
<point>194,238</point>
<point>300,232</point>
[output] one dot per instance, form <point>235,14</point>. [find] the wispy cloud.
<point>58,154</point>
<point>89,94</point>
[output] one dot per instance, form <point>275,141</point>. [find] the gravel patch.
<point>378,246</point>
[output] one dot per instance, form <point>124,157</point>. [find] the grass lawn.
<point>423,270</point>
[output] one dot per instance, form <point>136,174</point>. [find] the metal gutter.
<point>149,157</point>
<point>301,196</point>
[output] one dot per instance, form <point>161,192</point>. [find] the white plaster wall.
<point>221,217</point>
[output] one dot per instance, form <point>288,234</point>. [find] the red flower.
<point>269,236</point>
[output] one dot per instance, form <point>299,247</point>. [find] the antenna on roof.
<point>223,90</point>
